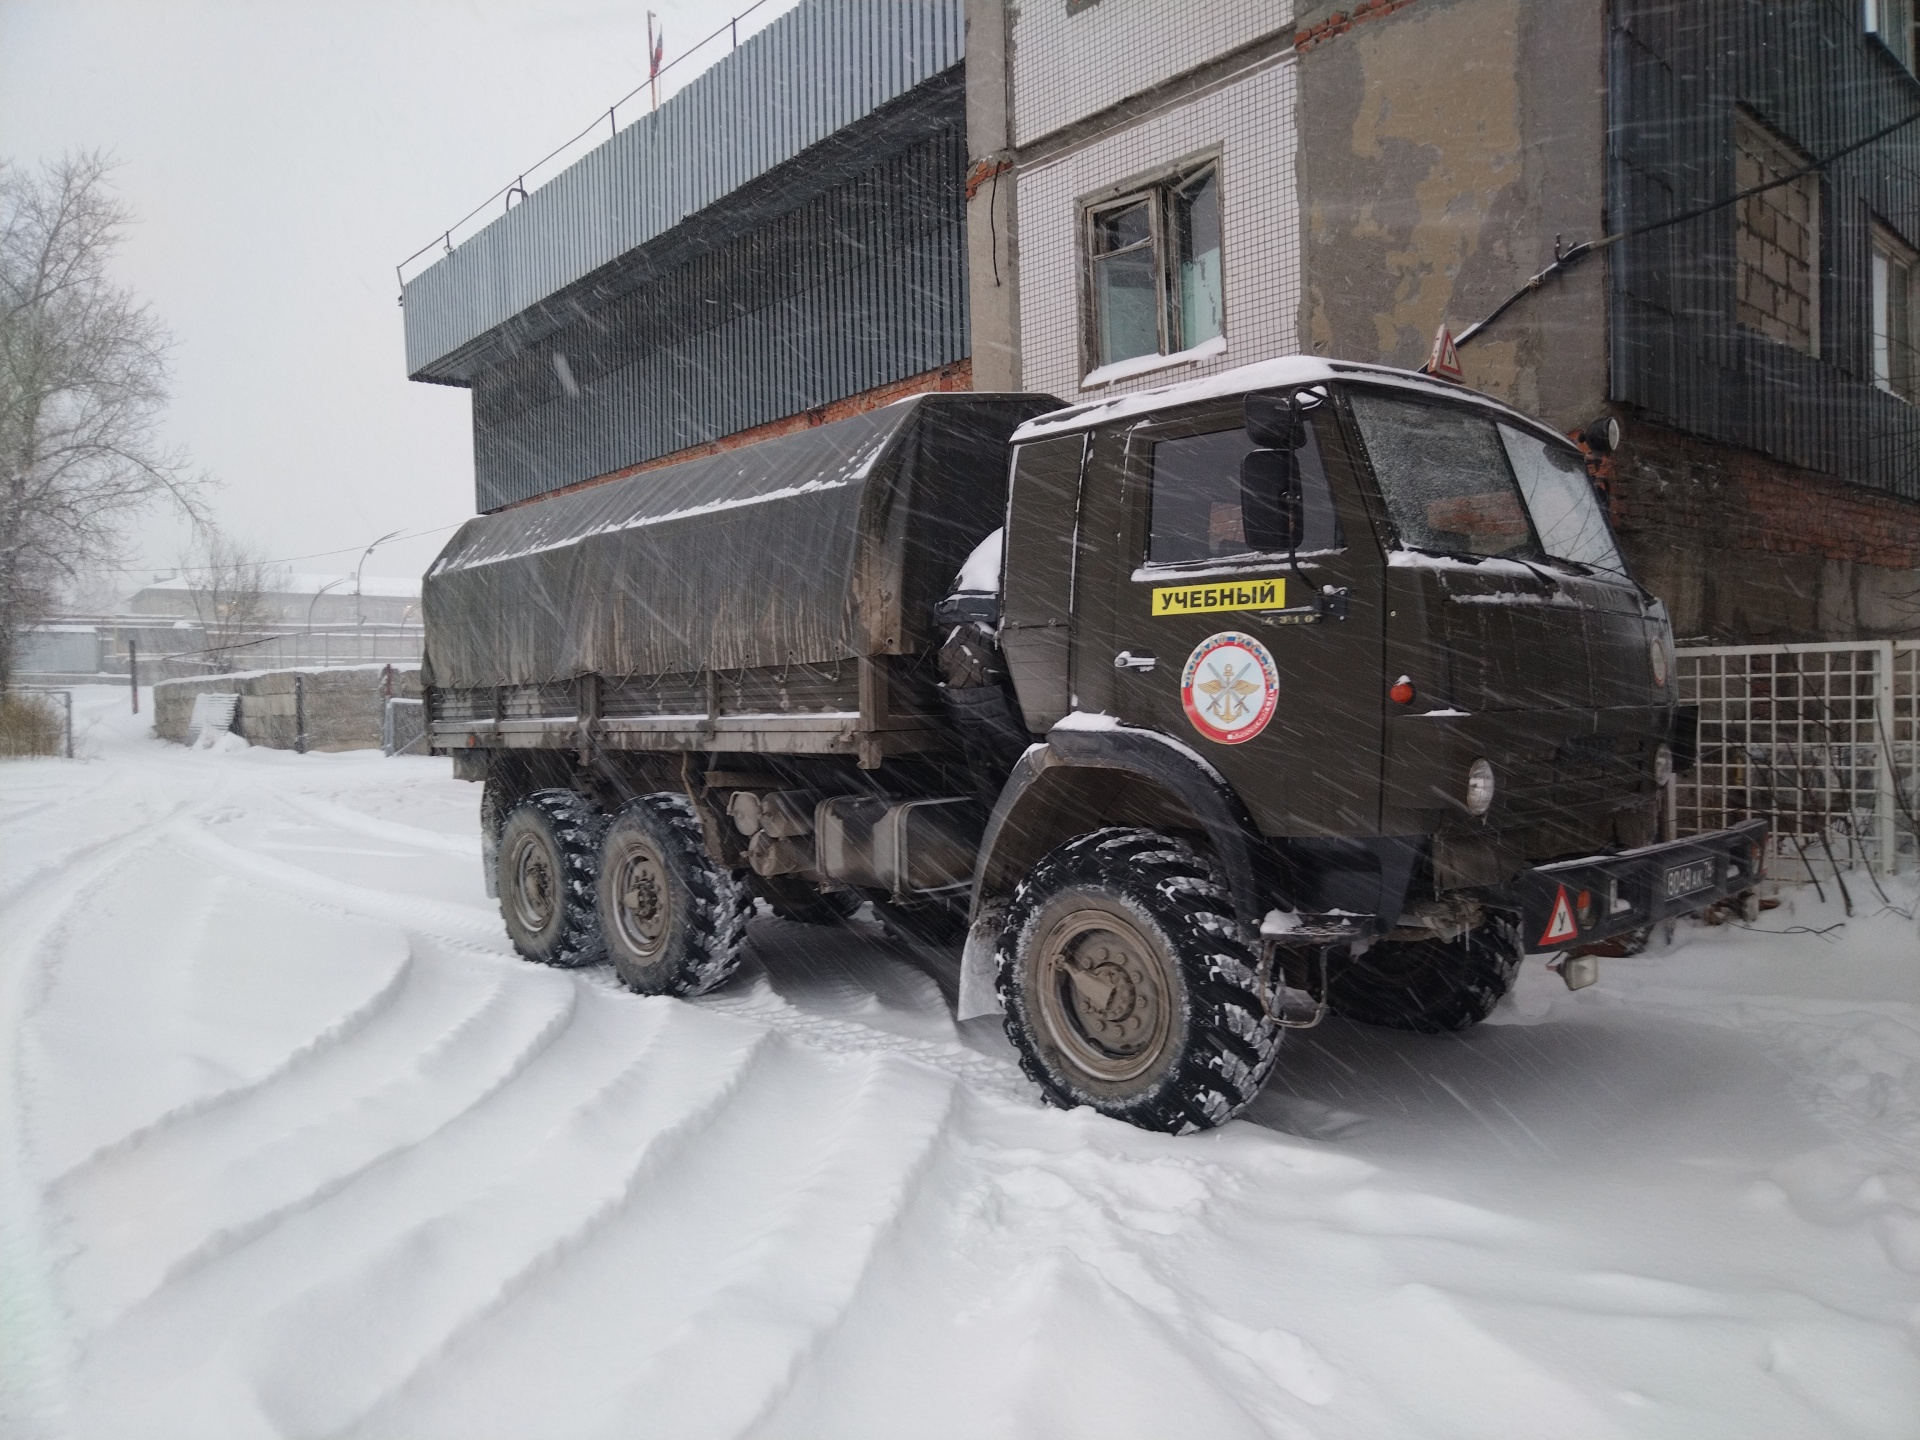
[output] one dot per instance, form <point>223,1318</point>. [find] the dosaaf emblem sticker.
<point>1230,687</point>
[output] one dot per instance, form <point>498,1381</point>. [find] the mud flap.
<point>979,967</point>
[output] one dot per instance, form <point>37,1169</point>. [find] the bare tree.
<point>83,377</point>
<point>232,590</point>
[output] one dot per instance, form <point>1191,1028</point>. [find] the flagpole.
<point>653,63</point>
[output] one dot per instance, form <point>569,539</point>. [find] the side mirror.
<point>1274,422</point>
<point>1271,510</point>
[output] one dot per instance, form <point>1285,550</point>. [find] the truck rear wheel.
<point>1130,987</point>
<point>674,920</point>
<point>1429,986</point>
<point>544,872</point>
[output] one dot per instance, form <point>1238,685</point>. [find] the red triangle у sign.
<point>1560,924</point>
<point>1444,362</point>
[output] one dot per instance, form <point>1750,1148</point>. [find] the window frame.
<point>1887,245</point>
<point>1214,417</point>
<point>1895,24</point>
<point>1158,187</point>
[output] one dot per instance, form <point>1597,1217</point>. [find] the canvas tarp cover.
<point>818,546</point>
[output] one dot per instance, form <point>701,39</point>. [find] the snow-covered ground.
<point>293,1145</point>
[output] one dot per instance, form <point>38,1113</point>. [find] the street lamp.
<point>313,602</point>
<point>358,617</point>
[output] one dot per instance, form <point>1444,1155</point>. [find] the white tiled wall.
<point>1251,123</point>
<point>1066,67</point>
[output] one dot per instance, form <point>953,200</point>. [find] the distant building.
<point>173,626</point>
<point>291,597</point>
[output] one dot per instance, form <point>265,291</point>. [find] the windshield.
<point>1459,483</point>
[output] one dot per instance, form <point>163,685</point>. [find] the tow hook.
<point>1579,971</point>
<point>1316,935</point>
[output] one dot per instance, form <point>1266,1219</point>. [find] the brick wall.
<point>1745,549</point>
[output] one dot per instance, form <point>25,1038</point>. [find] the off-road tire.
<point>1429,986</point>
<point>674,919</point>
<point>1167,1032</point>
<point>548,851</point>
<point>795,900</point>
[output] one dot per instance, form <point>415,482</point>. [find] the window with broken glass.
<point>1777,242</point>
<point>1153,269</point>
<point>1896,269</point>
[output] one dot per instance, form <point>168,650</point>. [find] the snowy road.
<point>294,1146</point>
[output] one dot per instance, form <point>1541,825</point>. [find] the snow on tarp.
<point>814,547</point>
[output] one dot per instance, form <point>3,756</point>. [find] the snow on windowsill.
<point>1147,364</point>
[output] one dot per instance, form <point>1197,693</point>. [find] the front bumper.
<point>1578,902</point>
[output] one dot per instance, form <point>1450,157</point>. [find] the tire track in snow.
<point>740,1263</point>
<point>343,817</point>
<point>849,1206</point>
<point>33,1313</point>
<point>479,1262</point>
<point>210,1185</point>
<point>758,1001</point>
<point>343,1030</point>
<point>399,1238</point>
<point>443,919</point>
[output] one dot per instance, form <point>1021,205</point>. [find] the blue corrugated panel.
<point>862,285</point>
<point>816,70</point>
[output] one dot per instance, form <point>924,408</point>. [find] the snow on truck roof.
<point>1286,370</point>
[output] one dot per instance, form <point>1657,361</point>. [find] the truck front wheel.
<point>543,868</point>
<point>674,920</point>
<point>1429,986</point>
<point>1130,987</point>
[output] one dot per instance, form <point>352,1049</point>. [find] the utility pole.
<point>133,673</point>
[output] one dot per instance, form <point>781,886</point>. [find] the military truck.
<point>1303,688</point>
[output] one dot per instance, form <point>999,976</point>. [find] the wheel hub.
<point>1104,994</point>
<point>533,888</point>
<point>645,909</point>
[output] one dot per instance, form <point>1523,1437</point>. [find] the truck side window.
<point>1566,512</point>
<point>1196,499</point>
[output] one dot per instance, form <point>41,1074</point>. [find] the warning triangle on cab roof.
<point>1444,362</point>
<point>1560,924</point>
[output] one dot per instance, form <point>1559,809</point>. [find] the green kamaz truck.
<point>1186,717</point>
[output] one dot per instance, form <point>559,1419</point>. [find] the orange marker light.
<point>1402,691</point>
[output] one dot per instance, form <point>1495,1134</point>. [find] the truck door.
<point>1268,664</point>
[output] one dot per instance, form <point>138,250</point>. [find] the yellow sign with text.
<point>1236,595</point>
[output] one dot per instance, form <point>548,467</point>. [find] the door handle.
<point>1127,660</point>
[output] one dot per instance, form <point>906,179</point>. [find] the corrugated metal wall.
<point>862,285</point>
<point>813,72</point>
<point>1678,70</point>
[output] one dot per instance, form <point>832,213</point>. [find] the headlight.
<point>1662,765</point>
<point>1657,655</point>
<point>1479,787</point>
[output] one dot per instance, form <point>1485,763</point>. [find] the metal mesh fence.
<point>1820,740</point>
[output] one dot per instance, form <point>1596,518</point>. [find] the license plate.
<point>1686,879</point>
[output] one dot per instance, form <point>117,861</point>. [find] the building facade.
<point>1374,170</point>
<point>781,242</point>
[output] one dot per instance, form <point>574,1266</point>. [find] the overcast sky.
<point>281,156</point>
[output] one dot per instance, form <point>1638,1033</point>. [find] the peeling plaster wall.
<point>1443,145</point>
